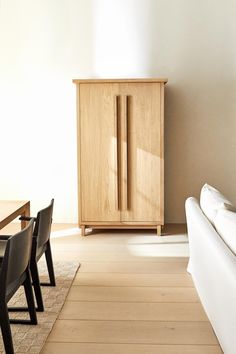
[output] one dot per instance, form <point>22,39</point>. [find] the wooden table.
<point>11,209</point>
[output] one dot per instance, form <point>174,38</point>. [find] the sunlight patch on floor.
<point>164,246</point>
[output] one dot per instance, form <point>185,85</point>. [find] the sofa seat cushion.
<point>225,224</point>
<point>211,200</point>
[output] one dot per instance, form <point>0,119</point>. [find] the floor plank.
<point>97,348</point>
<point>132,294</point>
<point>133,311</point>
<point>114,279</point>
<point>139,332</point>
<point>157,267</point>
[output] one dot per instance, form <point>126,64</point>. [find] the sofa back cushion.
<point>211,200</point>
<point>225,224</point>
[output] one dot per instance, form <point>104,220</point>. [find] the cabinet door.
<point>143,183</point>
<point>98,153</point>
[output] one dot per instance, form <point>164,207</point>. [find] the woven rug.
<point>30,338</point>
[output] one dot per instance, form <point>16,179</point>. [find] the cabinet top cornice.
<point>147,80</point>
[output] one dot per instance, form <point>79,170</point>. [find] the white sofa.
<point>212,265</point>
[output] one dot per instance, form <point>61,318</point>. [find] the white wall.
<point>46,43</point>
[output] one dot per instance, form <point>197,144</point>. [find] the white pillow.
<point>211,200</point>
<point>225,224</point>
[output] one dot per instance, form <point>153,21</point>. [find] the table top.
<point>11,209</point>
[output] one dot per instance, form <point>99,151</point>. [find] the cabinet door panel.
<point>143,181</point>
<point>98,152</point>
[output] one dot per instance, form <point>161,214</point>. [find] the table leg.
<point>26,212</point>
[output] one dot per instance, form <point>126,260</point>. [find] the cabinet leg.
<point>158,230</point>
<point>82,228</point>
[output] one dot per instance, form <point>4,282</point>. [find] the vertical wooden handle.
<point>128,171</point>
<point>118,146</point>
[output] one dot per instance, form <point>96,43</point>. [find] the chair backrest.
<point>43,224</point>
<point>15,260</point>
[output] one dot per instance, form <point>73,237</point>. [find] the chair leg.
<point>48,256</point>
<point>36,285</point>
<point>6,330</point>
<point>30,299</point>
<point>30,303</point>
<point>37,292</point>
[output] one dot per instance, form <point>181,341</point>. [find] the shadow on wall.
<point>199,143</point>
<point>195,50</point>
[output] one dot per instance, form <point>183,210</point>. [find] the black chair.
<point>41,245</point>
<point>14,272</point>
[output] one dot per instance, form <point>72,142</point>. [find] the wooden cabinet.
<point>120,153</point>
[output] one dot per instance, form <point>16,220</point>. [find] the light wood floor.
<point>132,295</point>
